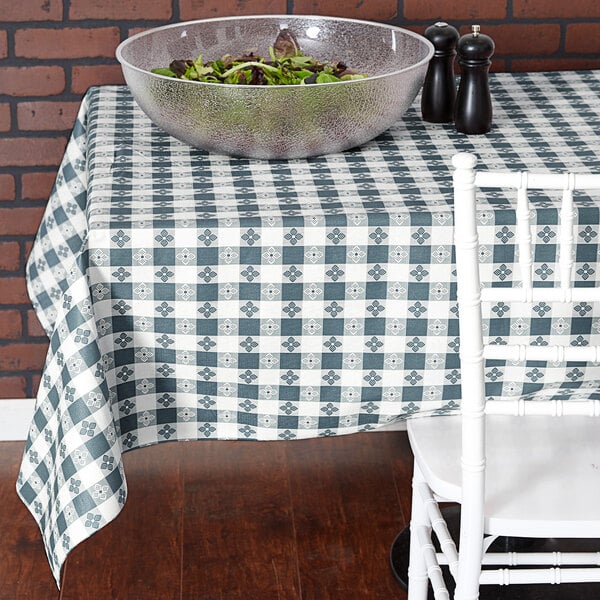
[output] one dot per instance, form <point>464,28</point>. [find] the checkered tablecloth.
<point>189,295</point>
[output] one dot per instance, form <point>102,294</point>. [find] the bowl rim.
<point>129,40</point>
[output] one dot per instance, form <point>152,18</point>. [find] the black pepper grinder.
<point>439,88</point>
<point>473,111</point>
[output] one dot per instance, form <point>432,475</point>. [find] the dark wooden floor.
<point>293,520</point>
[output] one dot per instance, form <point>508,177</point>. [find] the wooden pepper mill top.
<point>443,37</point>
<point>475,48</point>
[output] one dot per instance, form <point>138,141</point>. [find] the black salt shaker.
<point>439,88</point>
<point>473,109</point>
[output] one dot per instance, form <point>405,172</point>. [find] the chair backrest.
<point>473,351</point>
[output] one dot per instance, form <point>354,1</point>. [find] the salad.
<point>286,65</point>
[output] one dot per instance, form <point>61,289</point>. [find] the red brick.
<point>21,152</point>
<point>34,327</point>
<point>11,326</point>
<point>434,10</point>
<point>13,387</point>
<point>376,10</point>
<point>35,384</point>
<point>498,65</point>
<point>583,38</point>
<point>522,39</point>
<point>4,117</point>
<point>37,186</point>
<point>203,9</point>
<point>22,357</point>
<point>33,10</point>
<point>41,116</point>
<point>84,77</point>
<point>32,81</point>
<point>13,291</point>
<point>10,254</point>
<point>556,9</point>
<point>134,30</point>
<point>67,42</point>
<point>554,64</point>
<point>7,187</point>
<point>117,9</point>
<point>20,221</point>
<point>3,44</point>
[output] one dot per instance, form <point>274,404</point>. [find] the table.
<point>190,295</point>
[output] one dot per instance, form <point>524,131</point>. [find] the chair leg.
<point>418,581</point>
<point>467,585</point>
<point>470,552</point>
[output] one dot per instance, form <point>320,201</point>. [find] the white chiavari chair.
<point>523,468</point>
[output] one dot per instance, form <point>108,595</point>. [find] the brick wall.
<point>51,51</point>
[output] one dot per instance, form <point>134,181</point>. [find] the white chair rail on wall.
<point>15,418</point>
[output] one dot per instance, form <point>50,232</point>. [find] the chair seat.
<point>542,474</point>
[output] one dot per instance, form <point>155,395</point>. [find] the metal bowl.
<point>281,121</point>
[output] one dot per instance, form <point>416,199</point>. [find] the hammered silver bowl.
<point>281,121</point>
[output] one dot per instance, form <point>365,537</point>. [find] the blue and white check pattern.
<point>190,295</point>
